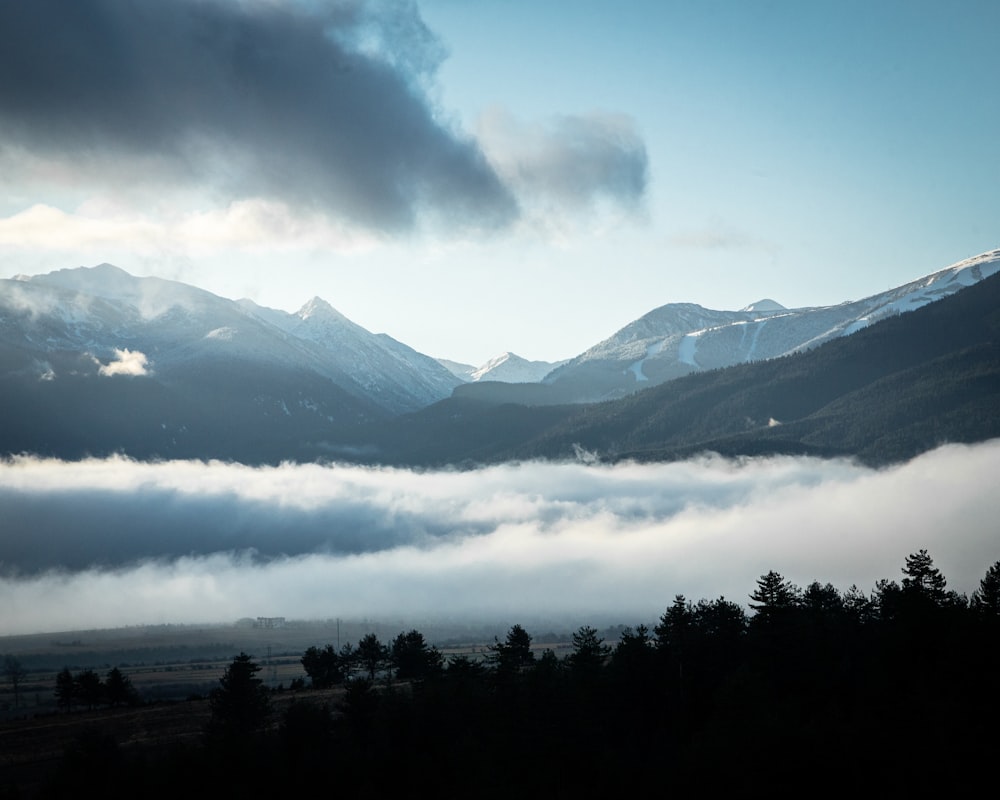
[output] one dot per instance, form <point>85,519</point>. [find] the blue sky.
<point>575,165</point>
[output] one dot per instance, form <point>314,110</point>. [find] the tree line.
<point>893,688</point>
<point>86,688</point>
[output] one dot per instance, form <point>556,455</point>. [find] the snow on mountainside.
<point>511,368</point>
<point>396,375</point>
<point>764,305</point>
<point>103,311</point>
<point>505,368</point>
<point>680,338</point>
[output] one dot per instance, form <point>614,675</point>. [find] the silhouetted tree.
<point>15,674</point>
<point>986,598</point>
<point>89,688</point>
<point>822,601</point>
<point>65,689</point>
<point>721,620</point>
<point>634,649</point>
<point>412,658</point>
<point>674,629</point>
<point>514,652</point>
<point>241,703</point>
<point>923,580</point>
<point>348,657</point>
<point>589,651</point>
<point>773,597</point>
<point>674,634</point>
<point>324,666</point>
<point>858,606</point>
<point>118,689</point>
<point>372,655</point>
<point>461,666</point>
<point>886,598</point>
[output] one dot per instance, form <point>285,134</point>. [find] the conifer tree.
<point>986,599</point>
<point>241,703</point>
<point>924,579</point>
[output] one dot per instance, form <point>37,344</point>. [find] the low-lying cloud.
<point>113,542</point>
<point>125,362</point>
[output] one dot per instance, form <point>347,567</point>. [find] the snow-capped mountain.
<point>511,368</point>
<point>504,368</point>
<point>396,376</point>
<point>103,312</point>
<point>680,338</point>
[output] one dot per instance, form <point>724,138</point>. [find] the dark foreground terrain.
<point>814,688</point>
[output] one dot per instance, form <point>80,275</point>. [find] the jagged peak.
<point>501,359</point>
<point>319,308</point>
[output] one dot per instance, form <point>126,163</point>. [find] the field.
<point>173,668</point>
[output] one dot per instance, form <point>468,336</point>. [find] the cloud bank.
<point>311,106</point>
<point>112,542</point>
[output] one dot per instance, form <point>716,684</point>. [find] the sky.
<point>108,543</point>
<point>474,178</point>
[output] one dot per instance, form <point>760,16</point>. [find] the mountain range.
<point>890,391</point>
<point>94,361</point>
<point>680,338</point>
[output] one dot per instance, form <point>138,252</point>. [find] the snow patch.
<point>652,350</point>
<point>687,348</point>
<point>758,327</point>
<point>225,334</point>
<point>511,368</point>
<point>766,305</point>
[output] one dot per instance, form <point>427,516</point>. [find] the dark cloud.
<point>319,104</point>
<point>108,528</point>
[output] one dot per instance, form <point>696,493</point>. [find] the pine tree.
<point>372,655</point>
<point>986,599</point>
<point>241,703</point>
<point>514,652</point>
<point>589,651</point>
<point>15,673</point>
<point>89,688</point>
<point>65,689</point>
<point>118,689</point>
<point>923,579</point>
<point>774,595</point>
<point>412,658</point>
<point>675,627</point>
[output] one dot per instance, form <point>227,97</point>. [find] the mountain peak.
<point>77,277</point>
<point>767,304</point>
<point>509,367</point>
<point>320,309</point>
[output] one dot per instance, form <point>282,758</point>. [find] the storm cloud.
<point>324,106</point>
<point>111,542</point>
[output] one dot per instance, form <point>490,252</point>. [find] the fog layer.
<point>112,542</point>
